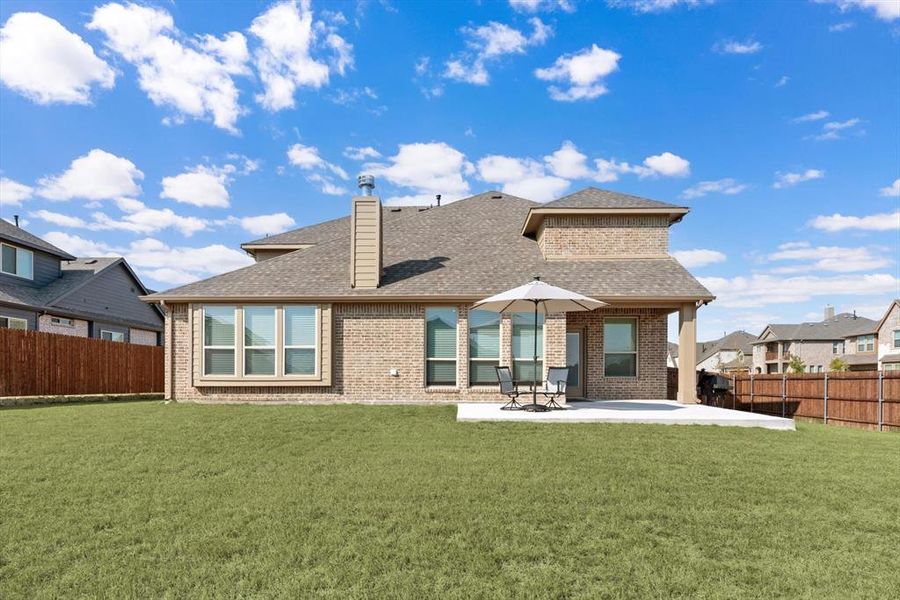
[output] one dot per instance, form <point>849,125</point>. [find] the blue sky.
<point>172,132</point>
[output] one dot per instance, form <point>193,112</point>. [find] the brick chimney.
<point>829,311</point>
<point>365,236</point>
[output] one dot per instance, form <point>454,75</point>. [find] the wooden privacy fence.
<point>862,398</point>
<point>34,363</point>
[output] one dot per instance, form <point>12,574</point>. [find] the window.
<point>865,343</point>
<point>300,335</point>
<point>16,261</point>
<point>61,322</point>
<point>440,346</point>
<point>484,346</point>
<point>820,369</point>
<point>259,340</point>
<point>218,340</point>
<point>112,336</point>
<point>897,338</point>
<point>837,347</point>
<point>13,323</point>
<point>523,340</point>
<point>891,367</point>
<point>620,347</point>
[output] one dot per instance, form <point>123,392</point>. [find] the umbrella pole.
<point>534,358</point>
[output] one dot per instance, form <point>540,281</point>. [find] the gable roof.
<point>17,235</point>
<point>736,340</point>
<point>838,327</point>
<point>592,197</point>
<point>887,313</point>
<point>467,250</point>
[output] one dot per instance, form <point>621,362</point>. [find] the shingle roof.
<point>592,197</point>
<point>17,235</point>
<point>736,340</point>
<point>868,358</point>
<point>838,327</point>
<point>468,249</point>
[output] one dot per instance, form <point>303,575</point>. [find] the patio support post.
<point>687,353</point>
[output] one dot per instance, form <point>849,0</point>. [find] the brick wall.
<point>78,328</point>
<point>142,337</point>
<point>561,237</point>
<point>653,328</point>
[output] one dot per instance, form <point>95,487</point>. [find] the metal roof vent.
<point>366,183</point>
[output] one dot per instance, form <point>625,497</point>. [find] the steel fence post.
<point>783,392</point>
<point>825,410</point>
<point>880,400</point>
<point>751,392</point>
<point>733,389</point>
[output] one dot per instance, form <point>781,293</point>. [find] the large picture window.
<point>16,261</point>
<point>440,346</point>
<point>13,323</point>
<point>484,347</point>
<point>300,340</point>
<point>620,347</point>
<point>259,340</point>
<point>218,340</point>
<point>865,343</point>
<point>523,338</point>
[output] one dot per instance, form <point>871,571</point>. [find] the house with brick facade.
<point>44,288</point>
<point>376,306</point>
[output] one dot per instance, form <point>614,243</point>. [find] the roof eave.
<point>162,297</point>
<point>536,215</point>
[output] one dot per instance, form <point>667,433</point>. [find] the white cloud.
<point>284,60</point>
<point>827,258</point>
<point>667,165</point>
<point>813,116</point>
<point>583,72</point>
<point>540,189</point>
<point>533,6</point>
<point>305,157</point>
<point>426,169</point>
<point>568,162</point>
<point>268,224</point>
<point>12,193</point>
<point>886,10</point>
<point>98,175</point>
<point>308,159</point>
<point>79,246</point>
<point>149,220</point>
<point>200,186</point>
<point>760,289</point>
<point>782,81</point>
<point>838,27</point>
<point>727,186</point>
<point>194,78</point>
<point>522,177</point>
<point>655,6</point>
<point>488,43</point>
<point>699,258</point>
<point>832,130</point>
<point>361,152</point>
<point>783,180</point>
<point>749,46</point>
<point>891,191</point>
<point>838,222</point>
<point>326,185</point>
<point>57,218</point>
<point>47,63</point>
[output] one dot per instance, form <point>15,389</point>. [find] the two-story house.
<point>888,338</point>
<point>377,306</point>
<point>45,288</point>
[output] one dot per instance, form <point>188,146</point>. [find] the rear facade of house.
<point>44,288</point>
<point>375,307</point>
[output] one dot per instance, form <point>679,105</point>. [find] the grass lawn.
<point>147,500</point>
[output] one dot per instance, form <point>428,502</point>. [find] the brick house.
<point>44,288</point>
<point>375,306</point>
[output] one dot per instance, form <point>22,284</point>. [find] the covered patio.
<point>660,412</point>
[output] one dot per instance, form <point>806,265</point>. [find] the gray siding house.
<point>44,288</point>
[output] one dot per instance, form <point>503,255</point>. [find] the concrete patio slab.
<point>662,412</point>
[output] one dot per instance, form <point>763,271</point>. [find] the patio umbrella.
<point>543,298</point>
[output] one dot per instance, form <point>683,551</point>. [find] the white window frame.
<point>112,335</point>
<point>9,320</point>
<point>245,347</point>
<point>637,346</point>
<point>891,367</point>
<point>483,359</point>
<point>455,355</point>
<point>17,249</point>
<point>897,338</point>
<point>285,347</point>
<point>238,333</point>
<point>62,322</point>
<point>837,347</point>
<point>863,342</point>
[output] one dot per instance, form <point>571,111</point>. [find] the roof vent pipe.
<point>366,183</point>
<point>16,219</point>
<point>438,198</point>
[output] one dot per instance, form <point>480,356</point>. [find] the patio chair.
<point>555,386</point>
<point>508,388</point>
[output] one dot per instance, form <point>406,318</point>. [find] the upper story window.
<point>620,347</point>
<point>17,261</point>
<point>897,338</point>
<point>62,322</point>
<point>865,343</point>
<point>837,347</point>
<point>440,346</point>
<point>484,346</point>
<point>524,336</point>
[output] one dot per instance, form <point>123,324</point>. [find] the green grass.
<point>147,500</point>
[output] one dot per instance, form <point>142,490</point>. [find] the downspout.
<point>170,352</point>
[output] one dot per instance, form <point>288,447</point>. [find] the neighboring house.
<point>846,336</point>
<point>375,307</point>
<point>44,288</point>
<point>888,338</point>
<point>731,349</point>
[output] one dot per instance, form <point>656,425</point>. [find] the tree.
<point>796,364</point>
<point>838,364</point>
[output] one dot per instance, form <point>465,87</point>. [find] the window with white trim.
<point>440,346</point>
<point>891,367</point>
<point>219,340</point>
<point>865,343</point>
<point>259,340</point>
<point>837,347</point>
<point>112,336</point>
<point>897,338</point>
<point>484,347</point>
<point>16,261</point>
<point>620,347</point>
<point>62,322</point>
<point>13,323</point>
<point>300,335</point>
<point>523,339</point>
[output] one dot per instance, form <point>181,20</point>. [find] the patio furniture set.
<point>553,388</point>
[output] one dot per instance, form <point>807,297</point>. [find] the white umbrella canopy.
<point>547,298</point>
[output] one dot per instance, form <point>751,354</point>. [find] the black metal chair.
<point>555,386</point>
<point>509,388</point>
